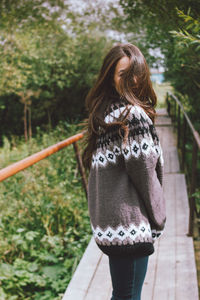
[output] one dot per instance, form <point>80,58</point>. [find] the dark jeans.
<point>127,276</point>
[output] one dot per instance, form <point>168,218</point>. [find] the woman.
<point>125,162</point>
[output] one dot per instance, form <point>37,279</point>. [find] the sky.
<point>80,6</point>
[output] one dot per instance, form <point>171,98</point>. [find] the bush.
<point>44,222</point>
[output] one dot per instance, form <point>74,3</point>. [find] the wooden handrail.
<point>195,151</point>
<point>29,161</point>
<point>194,132</point>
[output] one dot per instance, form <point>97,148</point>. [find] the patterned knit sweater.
<point>125,186</point>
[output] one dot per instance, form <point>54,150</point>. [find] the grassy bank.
<point>161,90</point>
<point>44,222</point>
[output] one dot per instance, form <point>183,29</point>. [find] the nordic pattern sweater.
<point>125,186</point>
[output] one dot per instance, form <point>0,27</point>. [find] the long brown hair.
<point>136,92</point>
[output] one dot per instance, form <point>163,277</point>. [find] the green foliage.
<point>157,18</point>
<point>197,199</point>
<point>185,64</point>
<point>173,26</point>
<point>52,54</point>
<point>161,90</point>
<point>44,222</point>
<point>188,40</point>
<point>185,38</point>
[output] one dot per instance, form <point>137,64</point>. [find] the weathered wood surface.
<point>171,272</point>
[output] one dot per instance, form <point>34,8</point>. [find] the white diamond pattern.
<point>101,159</point>
<point>136,110</point>
<point>156,234</point>
<point>145,146</point>
<point>121,233</point>
<point>110,234</point>
<point>98,233</point>
<point>94,161</point>
<point>133,232</point>
<point>111,156</point>
<point>116,150</point>
<point>135,149</point>
<point>126,152</point>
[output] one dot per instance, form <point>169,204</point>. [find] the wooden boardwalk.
<point>171,272</point>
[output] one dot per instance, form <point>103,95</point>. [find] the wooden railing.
<point>175,109</point>
<point>172,104</point>
<point>29,161</point>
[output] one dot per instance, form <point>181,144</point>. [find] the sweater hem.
<point>137,250</point>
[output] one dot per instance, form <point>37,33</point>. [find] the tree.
<point>51,50</point>
<point>159,20</point>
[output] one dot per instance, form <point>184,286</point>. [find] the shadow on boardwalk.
<point>171,273</point>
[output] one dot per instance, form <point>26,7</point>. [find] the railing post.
<point>175,113</point>
<point>179,126</point>
<point>192,188</point>
<point>81,168</point>
<point>168,104</point>
<point>184,143</point>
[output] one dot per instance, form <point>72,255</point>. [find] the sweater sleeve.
<point>144,164</point>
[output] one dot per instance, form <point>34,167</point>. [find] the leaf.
<point>31,235</point>
<point>6,271</point>
<point>20,230</point>
<point>2,294</point>
<point>53,271</point>
<point>33,267</point>
<point>48,257</point>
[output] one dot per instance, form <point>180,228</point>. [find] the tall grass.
<point>161,90</point>
<point>44,222</point>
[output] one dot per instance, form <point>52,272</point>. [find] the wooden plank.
<point>84,273</point>
<point>171,162</point>
<point>109,293</point>
<point>162,111</point>
<point>155,272</point>
<point>169,195</point>
<point>171,272</point>
<point>186,273</point>
<point>182,206</point>
<point>163,120</point>
<point>147,290</point>
<point>175,166</point>
<point>175,251</point>
<point>164,287</point>
<point>167,137</point>
<point>100,285</point>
